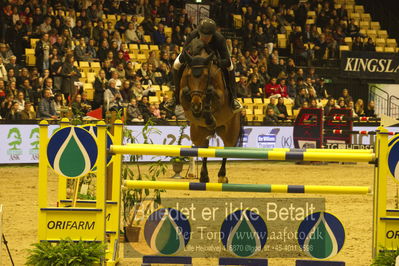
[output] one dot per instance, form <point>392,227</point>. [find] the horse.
<point>206,104</point>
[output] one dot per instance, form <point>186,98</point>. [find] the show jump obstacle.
<point>99,220</point>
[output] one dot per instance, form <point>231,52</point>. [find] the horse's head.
<point>198,79</point>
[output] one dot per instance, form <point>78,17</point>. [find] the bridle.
<point>200,93</point>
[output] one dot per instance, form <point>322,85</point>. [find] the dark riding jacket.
<point>217,44</point>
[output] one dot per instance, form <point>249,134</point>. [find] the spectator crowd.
<point>80,30</point>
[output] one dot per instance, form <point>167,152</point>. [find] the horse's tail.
<point>240,140</point>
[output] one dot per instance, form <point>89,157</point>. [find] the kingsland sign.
<point>370,65</point>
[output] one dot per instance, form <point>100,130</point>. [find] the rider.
<point>216,42</point>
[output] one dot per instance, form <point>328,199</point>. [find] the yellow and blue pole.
<point>243,153</point>
<point>265,149</point>
<point>261,188</point>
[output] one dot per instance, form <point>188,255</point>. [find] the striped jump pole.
<point>149,149</point>
<point>260,188</point>
<point>356,132</point>
<point>348,118</point>
<point>266,149</point>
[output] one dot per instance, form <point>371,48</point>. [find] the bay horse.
<point>206,104</point>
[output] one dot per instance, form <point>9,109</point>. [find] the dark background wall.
<point>386,12</point>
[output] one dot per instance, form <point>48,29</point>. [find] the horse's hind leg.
<point>204,177</point>
<point>222,178</point>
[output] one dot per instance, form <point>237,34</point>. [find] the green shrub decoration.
<point>386,257</point>
<point>66,253</point>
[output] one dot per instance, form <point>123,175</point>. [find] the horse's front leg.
<point>222,178</point>
<point>204,178</point>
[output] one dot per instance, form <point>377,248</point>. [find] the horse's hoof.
<point>223,179</point>
<point>204,179</point>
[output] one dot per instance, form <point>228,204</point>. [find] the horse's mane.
<point>196,46</point>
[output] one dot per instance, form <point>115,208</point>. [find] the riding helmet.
<point>207,26</point>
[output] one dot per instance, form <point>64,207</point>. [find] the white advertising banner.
<point>20,143</point>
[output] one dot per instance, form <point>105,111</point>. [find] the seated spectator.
<point>242,87</point>
<point>253,58</point>
<point>27,90</point>
<point>121,72</point>
<point>159,35</point>
<point>169,113</point>
<point>352,30</point>
<point>300,98</point>
<point>59,104</point>
<point>6,105</point>
<point>80,51</point>
<point>46,106</point>
<point>254,87</point>
<point>370,45</point>
<point>14,113</point>
<point>313,96</point>
<point>5,53</point>
<point>270,118</point>
<point>122,24</point>
<point>346,96</point>
<point>291,88</point>
<point>28,112</point>
<point>308,85</point>
<point>273,105</point>
<point>177,37</point>
<point>162,74</point>
<point>321,89</point>
<point>21,101</point>
<point>282,108</point>
<point>12,89</point>
<point>357,44</point>
<point>179,112</point>
<point>13,64</point>
<point>112,97</point>
<point>330,105</point>
<point>3,70</point>
<point>131,34</point>
<point>313,103</point>
<point>359,108</point>
<point>274,68</point>
<point>137,90</point>
<point>126,91</point>
<point>144,107</point>
<point>290,66</point>
<point>154,109</point>
<point>78,109</point>
<point>283,88</point>
<point>370,110</point>
<point>2,91</point>
<point>86,103</point>
<point>341,104</point>
<point>91,50</point>
<point>351,105</point>
<point>133,112</point>
<point>272,89</point>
